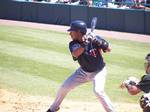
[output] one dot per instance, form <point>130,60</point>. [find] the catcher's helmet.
<point>78,25</point>
<point>145,102</point>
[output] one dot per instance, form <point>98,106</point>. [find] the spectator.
<point>84,2</point>
<point>138,5</point>
<point>77,2</point>
<point>74,2</point>
<point>100,3</point>
<point>148,3</point>
<point>129,3</point>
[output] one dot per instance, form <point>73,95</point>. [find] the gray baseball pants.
<point>80,77</point>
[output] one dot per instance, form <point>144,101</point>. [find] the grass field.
<point>35,61</point>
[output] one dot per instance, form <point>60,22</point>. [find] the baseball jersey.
<point>144,84</point>
<point>91,59</point>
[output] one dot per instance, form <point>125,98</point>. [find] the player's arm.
<point>107,50</point>
<point>76,49</point>
<point>131,84</point>
<point>76,53</point>
<point>102,44</point>
<point>105,46</point>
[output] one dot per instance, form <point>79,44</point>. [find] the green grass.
<point>35,61</point>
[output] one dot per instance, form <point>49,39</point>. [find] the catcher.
<point>134,86</point>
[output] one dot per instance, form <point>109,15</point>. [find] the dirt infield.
<point>104,33</point>
<point>14,102</point>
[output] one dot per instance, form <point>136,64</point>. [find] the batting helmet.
<point>78,25</point>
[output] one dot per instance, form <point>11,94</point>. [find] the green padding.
<point>79,12</point>
<point>54,14</point>
<point>134,21</point>
<point>147,22</point>
<point>116,19</point>
<point>101,14</point>
<point>10,10</point>
<point>29,12</point>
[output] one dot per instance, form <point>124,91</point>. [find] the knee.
<point>99,92</point>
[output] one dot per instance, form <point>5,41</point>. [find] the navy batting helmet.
<point>78,25</point>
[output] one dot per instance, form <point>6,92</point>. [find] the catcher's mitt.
<point>131,81</point>
<point>145,102</point>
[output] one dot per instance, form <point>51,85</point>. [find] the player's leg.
<point>77,78</point>
<point>99,83</point>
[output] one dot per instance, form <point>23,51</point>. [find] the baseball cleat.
<point>49,110</point>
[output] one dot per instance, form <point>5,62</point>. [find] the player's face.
<point>75,35</point>
<point>147,67</point>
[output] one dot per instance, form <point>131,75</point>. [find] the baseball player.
<point>88,53</point>
<point>134,86</point>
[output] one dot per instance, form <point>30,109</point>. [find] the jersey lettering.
<point>93,52</point>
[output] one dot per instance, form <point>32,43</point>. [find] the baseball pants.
<point>80,77</point>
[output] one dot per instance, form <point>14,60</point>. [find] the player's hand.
<point>124,84</point>
<point>98,41</point>
<point>89,37</point>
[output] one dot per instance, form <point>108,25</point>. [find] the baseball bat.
<point>93,23</point>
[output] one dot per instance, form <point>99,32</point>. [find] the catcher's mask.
<point>147,64</point>
<point>145,102</point>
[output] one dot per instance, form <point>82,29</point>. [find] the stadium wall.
<point>124,20</point>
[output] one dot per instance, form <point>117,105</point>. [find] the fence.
<point>125,20</point>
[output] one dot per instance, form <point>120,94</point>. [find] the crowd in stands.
<point>122,4</point>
